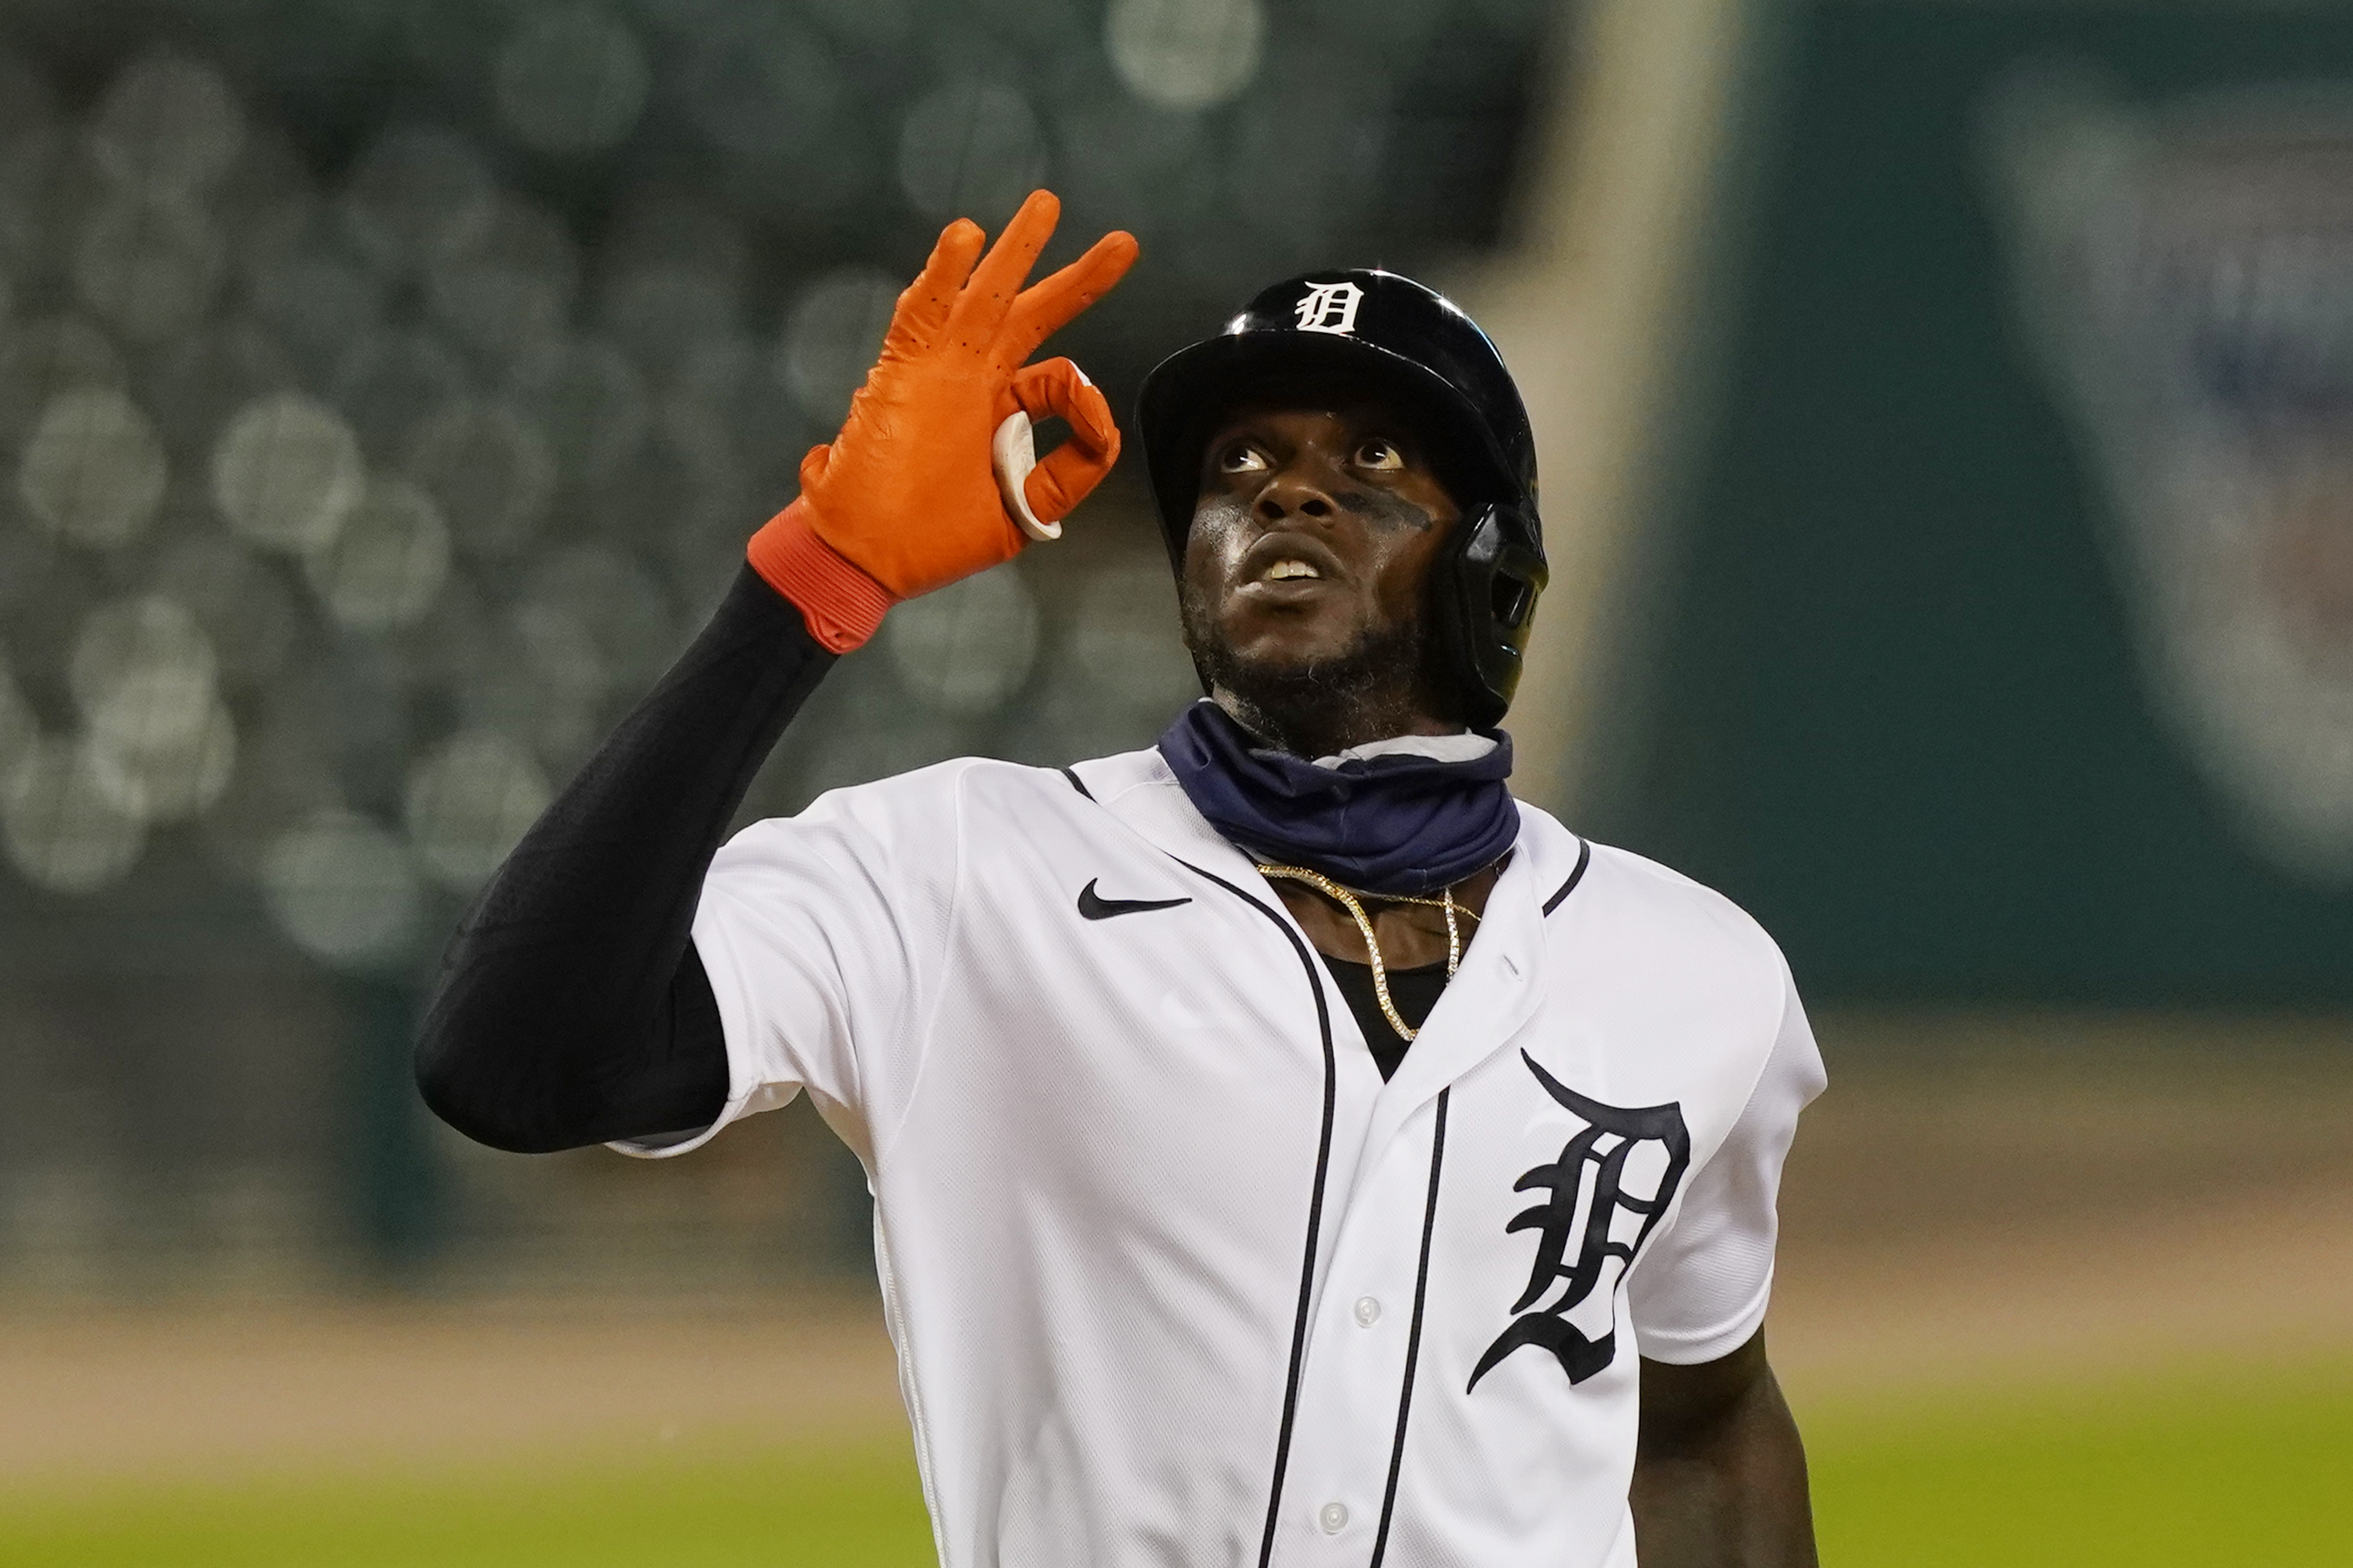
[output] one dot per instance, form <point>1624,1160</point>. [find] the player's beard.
<point>1375,689</point>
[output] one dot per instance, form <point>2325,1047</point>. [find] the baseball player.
<point>1287,1148</point>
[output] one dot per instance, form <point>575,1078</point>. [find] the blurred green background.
<point>1946,415</point>
<point>2244,1465</point>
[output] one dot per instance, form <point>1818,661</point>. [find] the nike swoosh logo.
<point>1095,907</point>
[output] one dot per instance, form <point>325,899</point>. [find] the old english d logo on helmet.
<point>1377,332</point>
<point>1329,308</point>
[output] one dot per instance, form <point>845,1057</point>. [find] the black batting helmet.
<point>1391,336</point>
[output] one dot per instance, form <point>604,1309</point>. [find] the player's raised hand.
<point>931,478</point>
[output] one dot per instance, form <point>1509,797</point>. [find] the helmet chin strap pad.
<point>1484,586</point>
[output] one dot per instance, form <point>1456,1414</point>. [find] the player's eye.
<point>1241,458</point>
<point>1379,456</point>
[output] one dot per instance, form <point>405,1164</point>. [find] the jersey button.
<point>1333,1517</point>
<point>1368,1312</point>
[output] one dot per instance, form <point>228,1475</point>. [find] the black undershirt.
<point>1413,991</point>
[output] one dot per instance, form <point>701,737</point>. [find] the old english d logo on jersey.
<point>1330,307</point>
<point>1610,1185</point>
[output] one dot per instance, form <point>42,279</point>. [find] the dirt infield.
<point>1952,1218</point>
<point>219,1394</point>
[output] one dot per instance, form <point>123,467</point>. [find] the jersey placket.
<point>1355,1401</point>
<point>1360,1374</point>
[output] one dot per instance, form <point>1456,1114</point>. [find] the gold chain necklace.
<point>1353,901</point>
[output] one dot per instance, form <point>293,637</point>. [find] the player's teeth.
<point>1283,570</point>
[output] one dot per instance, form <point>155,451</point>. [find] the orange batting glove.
<point>932,477</point>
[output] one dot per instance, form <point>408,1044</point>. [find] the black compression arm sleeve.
<point>572,1008</point>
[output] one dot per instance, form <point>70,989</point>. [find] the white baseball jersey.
<point>1175,1278</point>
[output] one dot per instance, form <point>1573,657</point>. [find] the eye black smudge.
<point>1386,511</point>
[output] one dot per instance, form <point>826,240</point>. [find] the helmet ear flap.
<point>1483,602</point>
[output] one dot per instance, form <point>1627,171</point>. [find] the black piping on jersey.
<point>1584,858</point>
<point>1413,1334</point>
<point>1076,783</point>
<point>1315,1205</point>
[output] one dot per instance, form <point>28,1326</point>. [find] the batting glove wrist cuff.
<point>842,605</point>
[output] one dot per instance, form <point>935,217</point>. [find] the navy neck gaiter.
<point>1379,824</point>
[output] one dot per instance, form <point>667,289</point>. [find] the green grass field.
<point>2218,1468</point>
<point>2251,1470</point>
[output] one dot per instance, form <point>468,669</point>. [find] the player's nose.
<point>1302,488</point>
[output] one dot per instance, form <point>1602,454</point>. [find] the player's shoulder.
<point>1623,877</point>
<point>944,797</point>
<point>911,829</point>
<point>1653,912</point>
<point>1690,979</point>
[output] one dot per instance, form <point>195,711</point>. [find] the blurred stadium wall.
<point>1945,409</point>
